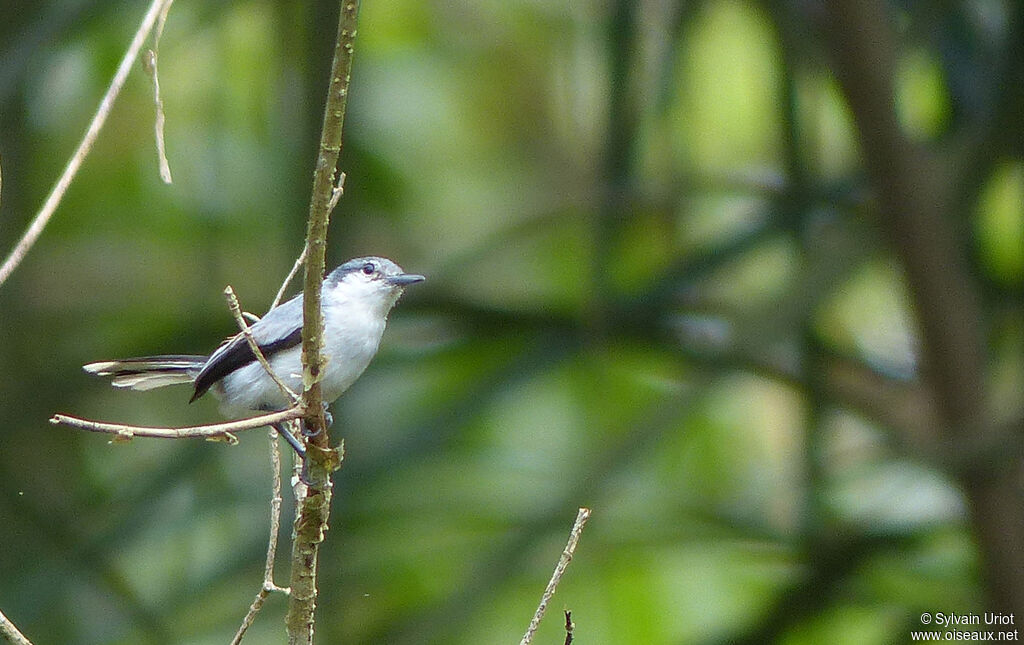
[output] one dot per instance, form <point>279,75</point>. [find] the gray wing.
<point>277,331</point>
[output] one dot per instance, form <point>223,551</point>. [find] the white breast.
<point>351,338</point>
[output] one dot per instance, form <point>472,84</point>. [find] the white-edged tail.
<point>149,372</point>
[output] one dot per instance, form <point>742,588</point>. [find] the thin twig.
<point>11,633</point>
<point>268,586</point>
<point>236,311</point>
<point>152,69</point>
<point>275,514</point>
<point>225,429</point>
<point>563,564</point>
<point>291,276</point>
<point>570,627</point>
<point>35,229</point>
<point>339,190</point>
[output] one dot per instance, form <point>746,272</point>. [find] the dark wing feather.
<point>274,333</point>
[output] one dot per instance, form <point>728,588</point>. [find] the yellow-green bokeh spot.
<point>730,71</point>
<point>1000,223</point>
<point>922,99</point>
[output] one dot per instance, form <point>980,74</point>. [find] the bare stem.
<point>339,190</point>
<point>151,59</point>
<point>291,276</point>
<point>215,430</point>
<point>563,563</point>
<point>324,192</point>
<point>314,506</point>
<point>11,633</point>
<point>35,229</point>
<point>275,514</point>
<point>268,586</point>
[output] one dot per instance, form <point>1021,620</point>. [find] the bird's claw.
<point>328,422</point>
<point>299,450</point>
<point>304,473</point>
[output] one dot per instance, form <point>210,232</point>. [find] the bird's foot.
<point>304,474</point>
<point>328,422</point>
<point>299,450</point>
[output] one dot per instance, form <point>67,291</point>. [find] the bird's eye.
<point>369,268</point>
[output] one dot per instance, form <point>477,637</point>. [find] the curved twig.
<point>151,65</point>
<point>35,229</point>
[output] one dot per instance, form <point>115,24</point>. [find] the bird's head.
<point>373,282</point>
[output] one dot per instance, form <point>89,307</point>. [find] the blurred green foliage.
<point>647,231</point>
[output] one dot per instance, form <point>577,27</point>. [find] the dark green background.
<point>663,283</point>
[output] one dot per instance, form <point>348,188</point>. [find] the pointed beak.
<point>405,279</point>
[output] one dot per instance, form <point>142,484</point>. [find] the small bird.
<point>356,298</point>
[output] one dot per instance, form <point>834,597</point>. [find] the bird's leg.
<point>282,429</point>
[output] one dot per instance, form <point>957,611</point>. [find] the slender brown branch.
<point>563,563</point>
<point>11,633</point>
<point>41,219</point>
<point>268,586</point>
<point>301,260</point>
<point>223,430</point>
<point>918,201</point>
<point>324,192</point>
<point>915,203</point>
<point>314,502</point>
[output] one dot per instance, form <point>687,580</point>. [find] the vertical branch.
<point>275,528</point>
<point>917,201</point>
<point>616,171</point>
<point>319,216</point>
<point>314,501</point>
